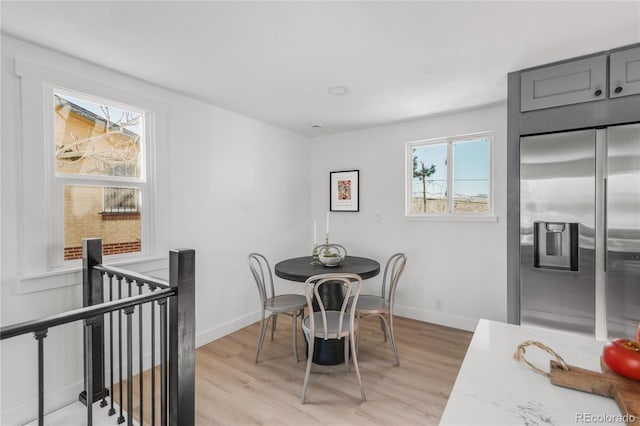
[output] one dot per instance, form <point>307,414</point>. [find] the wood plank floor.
<point>232,390</point>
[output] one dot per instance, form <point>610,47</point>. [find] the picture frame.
<point>344,191</point>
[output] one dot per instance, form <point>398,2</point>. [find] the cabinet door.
<point>624,73</point>
<point>583,80</point>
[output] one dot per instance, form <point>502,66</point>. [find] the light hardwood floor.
<point>232,390</point>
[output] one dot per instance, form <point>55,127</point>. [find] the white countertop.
<point>494,389</point>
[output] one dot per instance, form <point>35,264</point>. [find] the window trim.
<point>450,215</point>
<point>35,207</point>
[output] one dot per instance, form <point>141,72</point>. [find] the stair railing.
<point>175,300</point>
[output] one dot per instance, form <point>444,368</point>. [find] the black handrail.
<point>25,327</point>
<point>132,276</point>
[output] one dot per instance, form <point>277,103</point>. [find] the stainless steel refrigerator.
<point>580,231</point>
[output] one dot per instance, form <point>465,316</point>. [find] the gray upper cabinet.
<point>582,80</point>
<point>624,73</point>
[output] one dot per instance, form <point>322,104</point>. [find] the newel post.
<point>92,294</point>
<point>182,341</point>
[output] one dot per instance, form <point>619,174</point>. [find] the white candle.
<point>315,233</point>
<point>327,225</point>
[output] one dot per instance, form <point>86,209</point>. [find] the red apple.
<point>622,356</point>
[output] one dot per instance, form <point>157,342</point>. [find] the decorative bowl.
<point>330,259</point>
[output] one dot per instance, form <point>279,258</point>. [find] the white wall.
<point>233,185</point>
<point>237,186</point>
<point>461,263</point>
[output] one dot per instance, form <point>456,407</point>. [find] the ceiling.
<point>275,61</point>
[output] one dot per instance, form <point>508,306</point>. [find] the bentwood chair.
<point>288,304</point>
<point>331,324</point>
<point>369,305</point>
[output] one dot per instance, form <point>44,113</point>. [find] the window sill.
<point>67,277</point>
<point>120,215</point>
<point>451,218</point>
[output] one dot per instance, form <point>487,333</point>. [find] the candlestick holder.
<point>326,245</point>
<point>314,256</point>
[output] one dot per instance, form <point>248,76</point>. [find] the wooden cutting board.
<point>626,392</point>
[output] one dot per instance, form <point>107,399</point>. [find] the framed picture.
<point>344,193</point>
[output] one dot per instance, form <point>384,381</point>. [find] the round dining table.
<point>327,352</point>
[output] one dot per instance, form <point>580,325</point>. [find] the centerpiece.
<point>330,256</point>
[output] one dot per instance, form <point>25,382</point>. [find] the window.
<point>55,177</point>
<point>99,163</point>
<point>449,177</point>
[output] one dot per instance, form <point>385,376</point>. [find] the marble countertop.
<point>494,389</point>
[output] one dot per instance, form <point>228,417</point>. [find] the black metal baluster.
<point>129,362</point>
<point>88,333</point>
<point>39,336</point>
<point>103,403</point>
<point>153,359</point>
<point>141,355</point>
<point>112,410</point>
<point>163,361</point>
<point>129,312</point>
<point>121,417</point>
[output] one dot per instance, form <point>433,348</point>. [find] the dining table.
<point>299,269</point>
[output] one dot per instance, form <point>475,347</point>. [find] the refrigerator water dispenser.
<point>555,245</point>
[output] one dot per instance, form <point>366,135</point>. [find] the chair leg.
<point>358,334</point>
<point>307,373</point>
<point>274,318</point>
<point>383,328</point>
<point>263,327</point>
<point>355,364</point>
<point>346,354</point>
<point>294,326</point>
<point>392,339</point>
<point>394,346</point>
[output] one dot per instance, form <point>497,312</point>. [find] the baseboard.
<point>436,317</point>
<point>229,327</point>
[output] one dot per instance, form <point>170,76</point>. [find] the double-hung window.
<point>449,177</point>
<point>98,164</point>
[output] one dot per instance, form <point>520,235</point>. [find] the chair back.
<point>392,271</point>
<point>351,284</point>
<point>332,248</point>
<point>261,272</point>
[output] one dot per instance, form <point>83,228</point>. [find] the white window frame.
<point>41,230</point>
<point>487,216</point>
<point>58,180</point>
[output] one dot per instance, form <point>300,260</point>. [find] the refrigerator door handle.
<point>606,226</point>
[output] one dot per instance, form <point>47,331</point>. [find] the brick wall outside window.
<point>107,249</point>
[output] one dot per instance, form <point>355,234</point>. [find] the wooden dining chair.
<point>331,324</point>
<point>288,304</point>
<point>379,306</point>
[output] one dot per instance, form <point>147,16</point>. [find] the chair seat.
<point>368,304</point>
<point>333,319</point>
<point>286,303</point>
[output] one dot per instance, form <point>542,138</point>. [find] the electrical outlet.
<point>378,218</point>
<point>439,304</point>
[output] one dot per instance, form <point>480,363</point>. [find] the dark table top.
<point>300,268</point>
